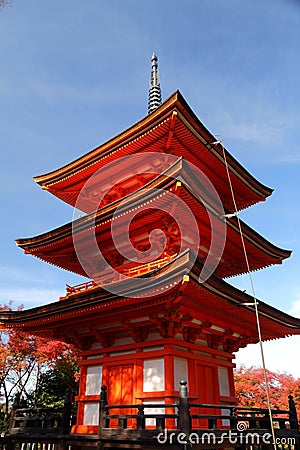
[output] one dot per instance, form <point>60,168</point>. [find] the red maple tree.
<point>251,389</point>
<point>23,358</point>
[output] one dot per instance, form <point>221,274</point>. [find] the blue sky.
<point>74,73</point>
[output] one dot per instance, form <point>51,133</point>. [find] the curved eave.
<point>234,165</point>
<point>101,215</point>
<point>84,166</point>
<point>266,253</point>
<point>216,292</point>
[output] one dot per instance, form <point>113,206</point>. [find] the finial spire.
<point>154,91</point>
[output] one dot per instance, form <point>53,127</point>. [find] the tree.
<point>52,384</point>
<point>251,390</point>
<point>24,361</point>
<point>4,4</point>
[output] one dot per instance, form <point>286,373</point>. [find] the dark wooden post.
<point>233,419</point>
<point>66,418</point>
<point>184,417</point>
<point>293,414</point>
<point>293,418</point>
<point>140,420</point>
<point>74,414</point>
<point>102,412</point>
<point>265,421</point>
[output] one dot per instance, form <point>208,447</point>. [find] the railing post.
<point>233,419</point>
<point>293,418</point>
<point>66,418</point>
<point>184,417</point>
<point>74,414</point>
<point>102,412</point>
<point>293,414</point>
<point>140,420</point>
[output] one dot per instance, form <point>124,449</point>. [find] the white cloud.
<point>253,131</point>
<point>280,355</point>
<point>261,126</point>
<point>29,297</point>
<point>249,114</point>
<point>50,92</point>
<point>84,95</point>
<point>18,275</point>
<point>295,310</point>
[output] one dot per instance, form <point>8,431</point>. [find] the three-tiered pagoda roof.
<point>171,129</point>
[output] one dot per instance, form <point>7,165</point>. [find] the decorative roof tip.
<point>154,91</point>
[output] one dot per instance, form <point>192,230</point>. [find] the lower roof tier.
<point>166,301</point>
<point>126,233</point>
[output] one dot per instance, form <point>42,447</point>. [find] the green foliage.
<point>52,384</point>
<point>4,421</point>
<point>36,368</point>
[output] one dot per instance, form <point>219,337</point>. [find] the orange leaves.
<point>49,351</point>
<point>251,391</point>
<point>23,358</point>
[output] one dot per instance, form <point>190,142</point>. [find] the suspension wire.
<point>255,302</point>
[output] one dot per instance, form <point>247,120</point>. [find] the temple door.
<point>120,390</point>
<point>206,384</point>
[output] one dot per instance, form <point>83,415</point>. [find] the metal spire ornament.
<point>154,90</point>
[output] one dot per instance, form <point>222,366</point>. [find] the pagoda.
<point>158,234</point>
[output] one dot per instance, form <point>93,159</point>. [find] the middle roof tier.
<point>173,212</point>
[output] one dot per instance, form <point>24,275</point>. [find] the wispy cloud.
<point>287,348</point>
<point>261,124</point>
<point>295,310</point>
<point>247,112</point>
<point>54,93</point>
<point>28,297</point>
<point>10,273</point>
<point>267,129</point>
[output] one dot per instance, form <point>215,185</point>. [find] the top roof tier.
<point>172,128</point>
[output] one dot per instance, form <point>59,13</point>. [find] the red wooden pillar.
<point>169,385</point>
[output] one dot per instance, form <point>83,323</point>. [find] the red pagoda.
<point>157,236</point>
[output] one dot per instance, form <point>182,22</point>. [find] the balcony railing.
<point>113,277</point>
<point>181,424</point>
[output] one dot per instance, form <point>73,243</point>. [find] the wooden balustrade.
<point>251,418</point>
<point>48,428</point>
<point>41,421</point>
<point>112,277</point>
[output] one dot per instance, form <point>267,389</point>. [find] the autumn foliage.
<point>4,4</point>
<point>251,390</point>
<point>25,360</point>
